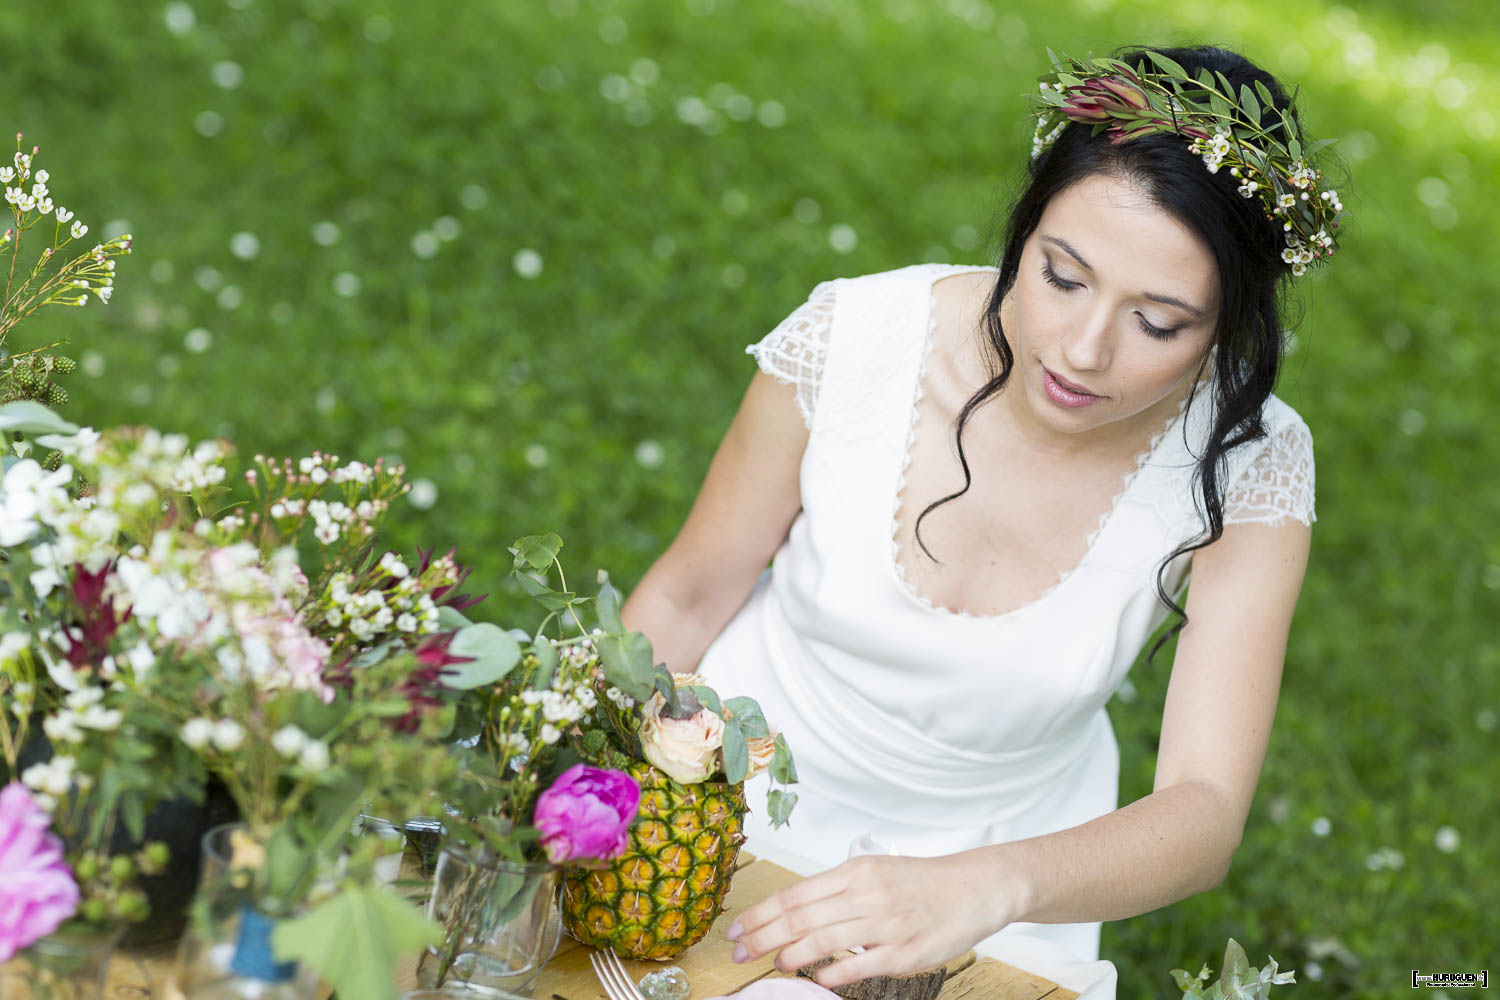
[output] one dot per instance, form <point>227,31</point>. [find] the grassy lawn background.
<point>684,171</point>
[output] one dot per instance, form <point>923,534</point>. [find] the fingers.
<point>809,933</point>
<point>808,891</point>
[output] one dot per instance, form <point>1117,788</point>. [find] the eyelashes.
<point>1052,278</point>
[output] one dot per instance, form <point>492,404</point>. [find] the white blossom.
<point>289,741</point>
<point>197,733</point>
<point>78,230</point>
<point>315,756</point>
<point>228,735</point>
<point>550,734</point>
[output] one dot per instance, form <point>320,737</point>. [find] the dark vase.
<point>178,822</point>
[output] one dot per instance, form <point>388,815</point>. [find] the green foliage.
<point>456,364</point>
<point>492,654</point>
<point>355,940</point>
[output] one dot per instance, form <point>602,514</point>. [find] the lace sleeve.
<point>794,351</point>
<point>1278,484</point>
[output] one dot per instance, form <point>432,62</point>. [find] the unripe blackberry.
<point>53,461</point>
<point>64,365</point>
<point>56,395</point>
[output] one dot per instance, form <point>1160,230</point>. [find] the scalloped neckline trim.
<point>918,391</point>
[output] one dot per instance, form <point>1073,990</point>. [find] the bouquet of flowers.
<point>1239,979</point>
<point>689,751</point>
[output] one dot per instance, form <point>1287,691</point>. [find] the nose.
<point>1090,346</point>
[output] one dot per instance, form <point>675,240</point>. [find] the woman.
<point>982,488</point>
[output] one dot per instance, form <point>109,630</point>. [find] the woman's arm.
<point>913,913</point>
<point>742,514</point>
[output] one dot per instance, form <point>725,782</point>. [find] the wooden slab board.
<point>145,975</point>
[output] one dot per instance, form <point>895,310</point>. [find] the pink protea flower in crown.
<point>37,891</point>
<point>586,814</point>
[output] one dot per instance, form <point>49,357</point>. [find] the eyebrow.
<point>1169,300</point>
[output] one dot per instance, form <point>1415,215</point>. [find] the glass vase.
<point>64,965</point>
<point>500,923</point>
<point>226,953</point>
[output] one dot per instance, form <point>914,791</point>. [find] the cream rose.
<point>686,749</point>
<point>762,750</point>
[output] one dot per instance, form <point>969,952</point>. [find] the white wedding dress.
<point>933,731</point>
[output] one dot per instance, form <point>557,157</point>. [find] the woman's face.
<point>1115,299</point>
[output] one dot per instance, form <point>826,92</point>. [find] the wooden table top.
<point>144,975</point>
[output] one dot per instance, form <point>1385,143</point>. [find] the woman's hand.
<point>909,914</point>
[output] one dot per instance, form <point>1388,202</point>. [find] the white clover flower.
<point>197,733</point>
<point>289,741</point>
<point>78,230</point>
<point>228,735</point>
<point>315,756</point>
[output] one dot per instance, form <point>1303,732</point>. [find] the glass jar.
<point>64,965</point>
<point>500,923</point>
<point>226,953</point>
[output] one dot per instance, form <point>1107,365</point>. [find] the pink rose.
<point>37,891</point>
<point>586,814</point>
<point>686,749</point>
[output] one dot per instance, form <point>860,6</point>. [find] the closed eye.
<point>1051,278</point>
<point>1152,330</point>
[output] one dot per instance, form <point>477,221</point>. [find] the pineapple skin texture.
<point>661,897</point>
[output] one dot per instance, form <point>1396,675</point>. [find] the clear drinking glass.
<point>500,920</point>
<point>64,965</point>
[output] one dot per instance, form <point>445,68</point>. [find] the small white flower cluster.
<point>619,698</point>
<point>560,708</point>
<point>52,780</point>
<point>1332,197</point>
<point>226,735</point>
<point>367,614</point>
<point>83,709</point>
<point>1214,149</point>
<point>1042,140</point>
<point>292,743</point>
<point>1302,176</point>
<point>1248,184</point>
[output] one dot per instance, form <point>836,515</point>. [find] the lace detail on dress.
<point>795,350</point>
<point>1141,459</point>
<point>1278,484</point>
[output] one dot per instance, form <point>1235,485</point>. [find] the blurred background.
<point>521,244</point>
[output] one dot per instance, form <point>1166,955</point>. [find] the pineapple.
<point>663,894</point>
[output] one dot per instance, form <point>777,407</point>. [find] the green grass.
<point>903,120</point>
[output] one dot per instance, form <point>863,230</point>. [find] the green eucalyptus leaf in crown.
<point>1242,130</point>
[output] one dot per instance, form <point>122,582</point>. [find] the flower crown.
<point>1223,126</point>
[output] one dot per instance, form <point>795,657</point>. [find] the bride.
<point>981,490</point>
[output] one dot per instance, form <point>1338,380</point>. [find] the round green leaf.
<point>493,653</point>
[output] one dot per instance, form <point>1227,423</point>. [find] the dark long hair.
<point>1246,249</point>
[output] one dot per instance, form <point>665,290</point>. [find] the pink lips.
<point>1065,393</point>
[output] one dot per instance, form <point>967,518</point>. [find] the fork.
<point>613,977</point>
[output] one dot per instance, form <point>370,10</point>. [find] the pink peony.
<point>586,814</point>
<point>37,891</point>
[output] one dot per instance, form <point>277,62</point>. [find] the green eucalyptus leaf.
<point>536,551</point>
<point>1266,100</point>
<point>779,806</point>
<point>376,654</point>
<point>1236,970</point>
<point>709,697</point>
<point>736,753</point>
<point>627,663</point>
<point>493,654</point>
<point>546,661</point>
<point>355,939</point>
<point>450,620</point>
<point>27,416</point>
<point>746,712</point>
<point>1320,144</point>
<point>1295,148</point>
<point>608,608</point>
<point>783,768</point>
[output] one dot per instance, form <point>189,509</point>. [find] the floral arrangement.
<point>1239,980</point>
<point>1243,129</point>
